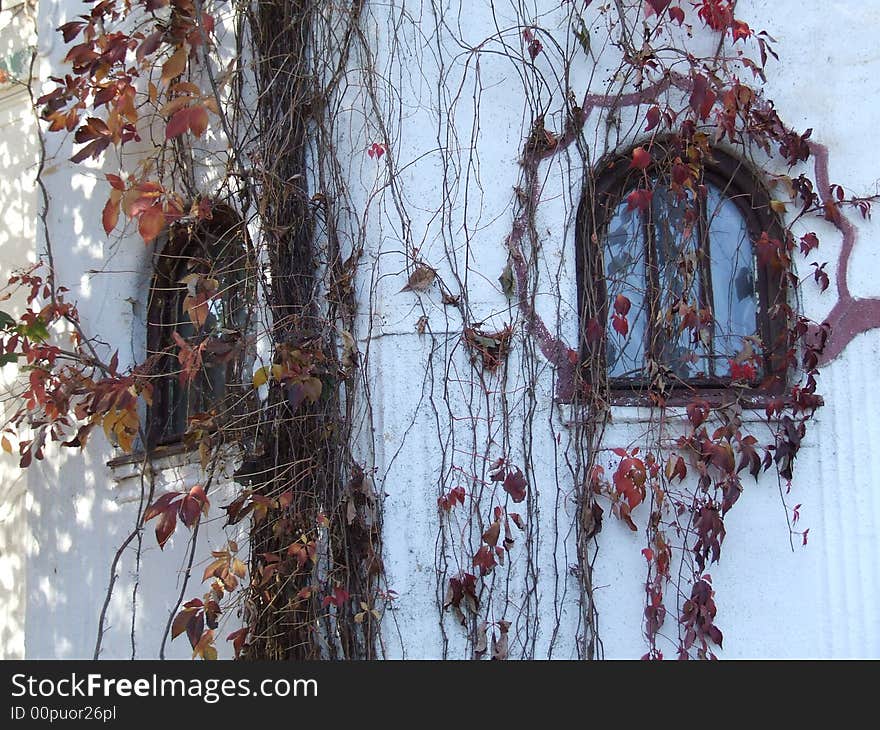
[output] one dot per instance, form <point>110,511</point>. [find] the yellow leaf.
<point>174,66</point>
<point>777,206</point>
<point>238,568</point>
<point>7,447</point>
<point>124,439</point>
<point>109,424</point>
<point>261,377</point>
<point>154,93</point>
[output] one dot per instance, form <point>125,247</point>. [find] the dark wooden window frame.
<point>600,199</point>
<point>183,240</point>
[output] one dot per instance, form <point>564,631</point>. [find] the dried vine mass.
<point>240,117</point>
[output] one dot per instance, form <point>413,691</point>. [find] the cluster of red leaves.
<point>490,553</point>
<point>103,77</point>
<point>462,593</point>
<point>186,505</point>
<point>698,620</point>
<point>512,479</point>
<point>454,496</point>
<point>199,617</point>
<point>533,44</point>
<point>67,390</point>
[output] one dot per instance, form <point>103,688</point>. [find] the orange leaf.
<point>181,621</point>
<point>110,216</point>
<point>174,66</point>
<point>197,309</point>
<point>151,223</point>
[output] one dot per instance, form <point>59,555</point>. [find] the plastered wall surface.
<point>446,112</point>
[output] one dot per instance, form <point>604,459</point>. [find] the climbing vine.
<point>194,109</point>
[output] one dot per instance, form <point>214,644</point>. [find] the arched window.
<point>196,320</point>
<point>672,295</point>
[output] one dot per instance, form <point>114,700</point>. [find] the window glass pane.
<point>625,274</point>
<point>733,279</point>
<point>677,279</point>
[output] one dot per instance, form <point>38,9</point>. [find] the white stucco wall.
<point>18,158</point>
<point>773,601</point>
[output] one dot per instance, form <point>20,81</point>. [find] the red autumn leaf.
<point>721,456</point>
<point>820,276</point>
<point>208,22</point>
<point>237,638</point>
<point>192,505</point>
<point>658,6</point>
<point>740,30</point>
<point>622,305</point>
<point>809,242</point>
<point>485,559</point>
<point>515,485</point>
<point>639,199</point>
<point>71,30</point>
<point>92,149</point>
<point>620,325</point>
<point>178,124</point>
<point>535,48</point>
<point>648,553</point>
<point>641,159</point>
<point>681,174</point>
<point>198,120</point>
<point>652,117</point>
<point>517,520</point>
<point>676,467</point>
<point>160,505</point>
<point>149,45</point>
<point>376,150</point>
<point>166,525</point>
<point>338,598</point>
<point>702,97</point>
<point>115,181</point>
<point>697,412</point>
<point>629,481</point>
<point>190,359</point>
<point>742,371</point>
<point>677,13</point>
<point>110,215</point>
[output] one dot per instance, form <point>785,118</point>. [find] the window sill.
<point>171,466</point>
<point>630,407</point>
